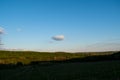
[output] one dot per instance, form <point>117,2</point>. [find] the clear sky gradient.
<point>87,25</point>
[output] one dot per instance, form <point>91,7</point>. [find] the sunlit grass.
<point>7,57</point>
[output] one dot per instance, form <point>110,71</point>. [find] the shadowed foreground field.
<point>105,66</point>
<point>105,70</point>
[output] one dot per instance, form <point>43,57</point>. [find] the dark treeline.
<point>115,56</point>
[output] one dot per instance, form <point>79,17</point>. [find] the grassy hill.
<point>12,57</point>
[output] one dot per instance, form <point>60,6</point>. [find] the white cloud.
<point>1,30</point>
<point>58,37</point>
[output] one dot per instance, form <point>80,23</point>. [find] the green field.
<point>12,57</point>
<point>72,70</point>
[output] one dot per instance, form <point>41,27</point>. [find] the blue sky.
<point>87,25</point>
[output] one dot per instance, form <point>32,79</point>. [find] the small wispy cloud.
<point>106,46</point>
<point>58,37</point>
<point>19,30</point>
<point>50,41</point>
